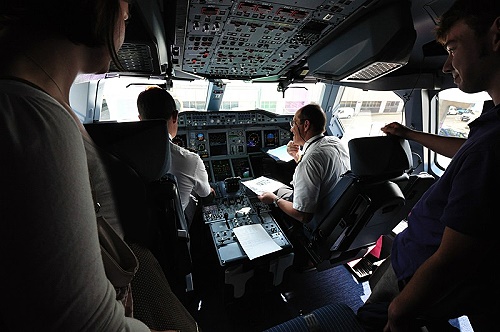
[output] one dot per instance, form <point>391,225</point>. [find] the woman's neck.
<point>45,62</point>
<point>38,65</point>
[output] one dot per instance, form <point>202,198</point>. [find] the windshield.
<point>360,112</point>
<point>120,96</point>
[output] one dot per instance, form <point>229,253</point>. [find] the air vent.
<point>135,58</point>
<point>372,72</point>
<point>378,43</point>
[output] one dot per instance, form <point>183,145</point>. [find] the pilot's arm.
<point>285,206</point>
<point>209,199</point>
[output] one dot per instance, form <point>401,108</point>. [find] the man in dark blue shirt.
<point>441,265</point>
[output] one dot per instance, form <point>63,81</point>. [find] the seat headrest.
<point>379,156</point>
<point>143,145</point>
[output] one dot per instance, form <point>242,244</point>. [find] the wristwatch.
<point>275,202</point>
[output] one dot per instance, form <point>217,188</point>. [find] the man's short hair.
<point>316,116</point>
<point>478,15</point>
<point>155,103</point>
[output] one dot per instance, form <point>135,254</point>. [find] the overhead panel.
<point>251,39</point>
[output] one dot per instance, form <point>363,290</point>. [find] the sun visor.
<point>378,43</point>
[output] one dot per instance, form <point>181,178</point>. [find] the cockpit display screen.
<point>254,142</point>
<point>180,140</point>
<point>271,138</point>
<point>222,169</point>
<point>200,137</point>
<point>218,144</point>
<point>241,167</point>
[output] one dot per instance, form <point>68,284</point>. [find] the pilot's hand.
<point>396,129</point>
<point>267,197</point>
<point>293,150</point>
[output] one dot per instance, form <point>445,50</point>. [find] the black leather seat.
<point>366,203</point>
<point>147,196</point>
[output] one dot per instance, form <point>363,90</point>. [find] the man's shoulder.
<point>182,152</point>
<point>332,143</point>
<point>332,139</point>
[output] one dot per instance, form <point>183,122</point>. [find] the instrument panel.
<point>232,209</point>
<point>226,141</point>
<point>232,146</point>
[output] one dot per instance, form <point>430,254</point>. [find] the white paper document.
<point>262,184</point>
<point>255,241</point>
<point>280,153</point>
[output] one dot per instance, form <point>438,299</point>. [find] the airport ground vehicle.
<point>345,112</point>
<point>452,110</point>
<point>240,69</point>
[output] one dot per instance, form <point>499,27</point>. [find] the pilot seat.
<point>368,201</point>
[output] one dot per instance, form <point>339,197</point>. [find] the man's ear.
<point>496,34</point>
<point>175,116</point>
<point>307,124</point>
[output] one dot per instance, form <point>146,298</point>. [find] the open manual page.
<point>255,241</point>
<point>262,184</point>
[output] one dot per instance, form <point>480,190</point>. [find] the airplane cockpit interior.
<point>238,71</point>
